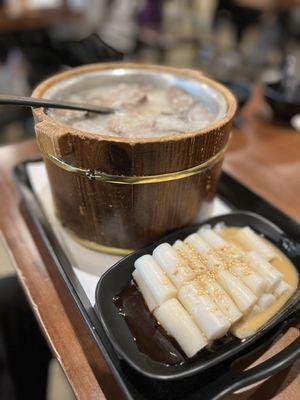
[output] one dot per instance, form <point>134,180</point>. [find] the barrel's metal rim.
<point>137,180</point>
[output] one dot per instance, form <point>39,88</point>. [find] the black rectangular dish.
<point>213,383</point>
<point>119,276</point>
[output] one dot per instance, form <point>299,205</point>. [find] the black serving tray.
<point>212,384</point>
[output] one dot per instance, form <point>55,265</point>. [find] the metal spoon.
<point>37,102</point>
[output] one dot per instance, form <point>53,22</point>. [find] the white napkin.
<point>88,264</point>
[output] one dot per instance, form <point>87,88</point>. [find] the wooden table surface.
<point>264,156</point>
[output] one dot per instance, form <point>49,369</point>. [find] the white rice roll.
<point>212,287</point>
<point>222,299</point>
<point>241,328</point>
<point>203,248</point>
<point>243,297</point>
<point>176,269</point>
<point>149,299</point>
<point>180,247</point>
<point>281,288</point>
<point>254,281</point>
<point>219,227</point>
<point>266,300</point>
<point>178,323</point>
<point>156,280</point>
<point>255,310</point>
<point>252,241</point>
<point>212,238</point>
<point>240,293</point>
<point>206,226</point>
<point>200,245</point>
<point>215,241</point>
<point>270,274</point>
<point>204,310</point>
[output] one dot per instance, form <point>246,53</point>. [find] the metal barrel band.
<point>137,180</point>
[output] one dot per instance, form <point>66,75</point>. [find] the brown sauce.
<point>150,337</point>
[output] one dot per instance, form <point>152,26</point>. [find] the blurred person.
<point>115,21</point>
<point>102,25</point>
<point>120,28</point>
<point>273,24</point>
<point>241,16</point>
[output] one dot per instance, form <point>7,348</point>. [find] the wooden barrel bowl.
<point>117,194</point>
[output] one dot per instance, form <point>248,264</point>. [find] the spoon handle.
<point>36,102</point>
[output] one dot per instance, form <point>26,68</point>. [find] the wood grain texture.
<point>93,210</point>
<point>140,214</point>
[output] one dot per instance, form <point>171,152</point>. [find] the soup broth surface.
<point>143,110</point>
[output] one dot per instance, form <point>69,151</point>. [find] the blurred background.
<point>247,44</point>
<point>240,42</point>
